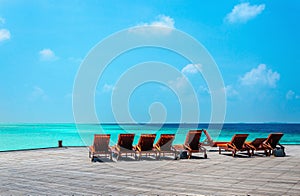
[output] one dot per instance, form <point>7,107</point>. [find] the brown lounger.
<point>192,143</point>
<point>237,144</point>
<point>256,144</point>
<point>272,142</point>
<point>124,145</point>
<point>100,146</point>
<point>145,145</point>
<point>164,145</point>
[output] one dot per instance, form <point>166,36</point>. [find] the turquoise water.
<point>32,136</point>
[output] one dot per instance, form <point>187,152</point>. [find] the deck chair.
<point>124,145</point>
<point>237,144</point>
<point>256,144</point>
<point>209,141</point>
<point>192,143</point>
<point>272,142</point>
<point>164,145</point>
<point>145,145</point>
<point>100,146</point>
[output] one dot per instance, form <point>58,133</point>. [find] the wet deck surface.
<point>69,171</point>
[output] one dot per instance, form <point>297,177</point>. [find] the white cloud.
<point>47,55</point>
<point>4,34</point>
<point>163,21</point>
<point>192,68</point>
<point>108,88</point>
<point>230,91</point>
<point>291,95</point>
<point>203,89</point>
<point>243,12</point>
<point>164,25</point>
<point>179,84</point>
<point>261,76</point>
<point>38,93</point>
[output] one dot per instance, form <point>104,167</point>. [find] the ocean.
<point>34,136</point>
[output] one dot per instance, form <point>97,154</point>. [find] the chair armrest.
<point>187,147</point>
<point>232,146</point>
<point>136,148</point>
<point>157,147</point>
<point>91,148</point>
<point>250,146</point>
<point>266,145</point>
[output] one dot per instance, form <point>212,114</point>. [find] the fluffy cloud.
<point>230,91</point>
<point>192,68</point>
<point>164,25</point>
<point>179,84</point>
<point>4,34</point>
<point>261,76</point>
<point>291,95</point>
<point>38,94</point>
<point>163,21</point>
<point>243,12</point>
<point>47,55</point>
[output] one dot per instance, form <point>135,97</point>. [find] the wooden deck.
<point>69,171</point>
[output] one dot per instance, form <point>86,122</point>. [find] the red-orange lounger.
<point>256,145</point>
<point>100,146</point>
<point>237,144</point>
<point>192,143</point>
<point>272,142</point>
<point>164,145</point>
<point>124,145</point>
<point>145,145</point>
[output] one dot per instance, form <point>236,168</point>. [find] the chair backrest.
<point>273,139</point>
<point>165,141</point>
<point>208,140</point>
<point>257,142</point>
<point>238,140</point>
<point>101,142</point>
<point>146,142</point>
<point>125,141</point>
<point>193,139</point>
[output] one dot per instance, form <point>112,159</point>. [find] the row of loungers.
<point>146,145</point>
<point>238,143</point>
<point>191,145</point>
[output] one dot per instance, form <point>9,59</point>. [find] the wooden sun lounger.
<point>100,146</point>
<point>164,145</point>
<point>192,144</point>
<point>256,145</point>
<point>272,142</point>
<point>237,144</point>
<point>145,145</point>
<point>124,145</point>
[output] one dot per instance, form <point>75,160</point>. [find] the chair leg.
<point>249,154</point>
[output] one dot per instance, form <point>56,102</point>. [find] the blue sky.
<point>254,43</point>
